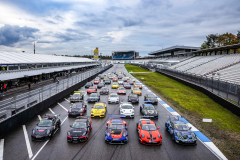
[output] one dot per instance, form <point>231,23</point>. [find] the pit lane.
<point>95,148</point>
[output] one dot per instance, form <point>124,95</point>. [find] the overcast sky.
<point>76,27</point>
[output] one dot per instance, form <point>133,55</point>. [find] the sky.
<point>77,27</point>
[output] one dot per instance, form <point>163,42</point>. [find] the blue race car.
<point>94,97</point>
<point>180,132</point>
<point>116,132</point>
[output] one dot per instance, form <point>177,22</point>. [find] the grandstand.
<point>124,55</point>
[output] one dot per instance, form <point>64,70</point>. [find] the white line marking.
<point>1,148</point>
<point>66,99</point>
<point>27,142</point>
<point>40,149</point>
<point>39,117</point>
<point>64,120</point>
<point>62,107</point>
<point>51,110</point>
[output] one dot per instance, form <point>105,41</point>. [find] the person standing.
<point>1,89</point>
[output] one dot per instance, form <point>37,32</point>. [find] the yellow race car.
<point>115,85</point>
<point>99,110</point>
<point>137,91</point>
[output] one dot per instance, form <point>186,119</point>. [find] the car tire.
<point>173,137</point>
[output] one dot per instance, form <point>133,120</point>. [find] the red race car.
<point>121,90</point>
<point>92,89</point>
<point>96,81</point>
<point>115,79</point>
<point>148,132</point>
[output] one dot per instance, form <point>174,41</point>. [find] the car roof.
<point>81,120</point>
<point>147,104</point>
<point>99,104</point>
<point>178,122</point>
<point>113,94</point>
<point>147,122</point>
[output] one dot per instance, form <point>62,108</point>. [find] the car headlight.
<point>48,131</point>
<point>102,111</point>
<point>84,133</point>
<point>108,134</point>
<point>143,136</point>
<point>121,112</point>
<point>159,136</point>
<point>68,133</point>
<point>193,135</point>
<point>91,111</point>
<point>179,135</point>
<point>124,134</point>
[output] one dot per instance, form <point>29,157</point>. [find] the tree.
<point>227,39</point>
<point>238,36</point>
<point>204,45</point>
<point>211,40</point>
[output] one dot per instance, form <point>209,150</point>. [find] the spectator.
<point>29,85</point>
<point>1,89</point>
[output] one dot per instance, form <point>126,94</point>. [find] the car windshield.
<point>93,95</point>
<point>45,123</point>
<point>181,127</point>
<point>113,95</point>
<point>79,125</point>
<point>121,88</point>
<point>125,106</point>
<point>76,95</point>
<point>116,126</point>
<point>149,127</point>
<point>89,83</point>
<point>151,96</point>
<point>119,80</point>
<point>91,87</point>
<point>149,107</point>
<point>115,83</point>
<point>77,106</point>
<point>104,89</point>
<point>136,89</point>
<point>101,83</point>
<point>133,96</point>
<point>98,107</point>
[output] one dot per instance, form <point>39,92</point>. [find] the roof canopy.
<point>173,49</point>
<point>234,46</point>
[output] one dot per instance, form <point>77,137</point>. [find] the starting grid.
<point>201,137</point>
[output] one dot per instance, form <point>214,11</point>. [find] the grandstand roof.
<point>124,51</point>
<point>7,58</point>
<point>234,46</point>
<point>173,49</point>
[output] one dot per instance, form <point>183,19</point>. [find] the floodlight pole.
<point>34,48</point>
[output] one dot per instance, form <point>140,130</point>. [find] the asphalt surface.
<point>95,148</point>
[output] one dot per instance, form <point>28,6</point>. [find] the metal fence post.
<point>39,95</point>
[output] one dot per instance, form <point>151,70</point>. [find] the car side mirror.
<point>158,128</point>
<point>70,125</point>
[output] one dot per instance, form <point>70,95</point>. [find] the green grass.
<point>133,68</point>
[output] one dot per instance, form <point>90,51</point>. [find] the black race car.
<point>107,81</point>
<point>148,111</point>
<point>100,85</point>
<point>152,98</point>
<point>126,85</point>
<point>77,109</point>
<point>77,96</point>
<point>133,98</point>
<point>89,84</point>
<point>101,76</point>
<point>46,128</point>
<point>104,90</point>
<point>80,130</point>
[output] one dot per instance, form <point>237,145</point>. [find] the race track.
<point>15,146</point>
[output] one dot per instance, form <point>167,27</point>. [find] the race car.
<point>105,78</point>
<point>133,98</point>
<point>46,128</point>
<point>77,96</point>
<point>77,109</point>
<point>104,90</point>
<point>99,110</point>
<point>115,79</point>
<point>115,85</point>
<point>126,85</point>
<point>120,76</point>
<point>107,81</point>
<point>152,98</point>
<point>179,131</point>
<point>80,130</point>
<point>94,97</point>
<point>148,111</point>
<point>100,85</point>
<point>89,84</point>
<point>121,90</point>
<point>139,85</point>
<point>92,89</point>
<point>113,98</point>
<point>116,132</point>
<point>137,91</point>
<point>130,82</point>
<point>96,81</point>
<point>125,79</point>
<point>119,72</point>
<point>120,81</point>
<point>148,133</point>
<point>101,76</point>
<point>126,109</point>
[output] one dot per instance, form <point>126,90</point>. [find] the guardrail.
<point>14,105</point>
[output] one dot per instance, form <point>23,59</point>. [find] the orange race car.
<point>148,132</point>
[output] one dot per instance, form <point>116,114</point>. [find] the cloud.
<point>10,35</point>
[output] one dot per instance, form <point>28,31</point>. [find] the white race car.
<point>120,81</point>
<point>113,98</point>
<point>126,109</point>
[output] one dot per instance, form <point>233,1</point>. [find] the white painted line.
<point>64,120</point>
<point>51,110</point>
<point>1,148</point>
<point>40,149</point>
<point>175,114</point>
<point>27,142</point>
<point>62,107</point>
<point>39,117</point>
<point>66,99</point>
<point>212,147</point>
<point>193,128</point>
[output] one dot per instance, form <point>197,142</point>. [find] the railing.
<point>23,101</point>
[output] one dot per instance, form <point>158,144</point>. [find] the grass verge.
<point>224,131</point>
<point>132,68</point>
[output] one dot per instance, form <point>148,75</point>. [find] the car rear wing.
<point>78,91</point>
<point>116,116</point>
<point>146,101</point>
